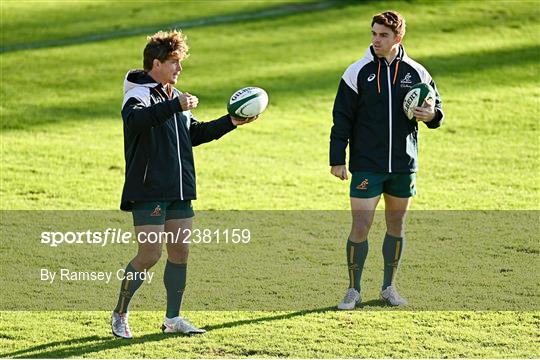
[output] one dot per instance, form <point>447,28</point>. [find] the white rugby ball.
<point>420,94</point>
<point>247,102</point>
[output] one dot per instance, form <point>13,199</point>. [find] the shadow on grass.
<point>273,12</point>
<point>298,85</point>
<point>486,19</point>
<point>91,344</point>
<point>374,303</point>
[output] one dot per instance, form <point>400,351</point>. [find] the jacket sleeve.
<point>203,132</point>
<point>439,114</point>
<point>139,117</point>
<point>343,115</point>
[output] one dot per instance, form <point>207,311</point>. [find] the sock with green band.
<point>356,256</point>
<point>128,288</point>
<point>392,249</point>
<point>175,282</point>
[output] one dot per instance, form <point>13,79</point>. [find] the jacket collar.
<point>135,78</point>
<point>370,54</point>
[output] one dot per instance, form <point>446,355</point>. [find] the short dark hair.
<point>391,19</point>
<point>164,45</point>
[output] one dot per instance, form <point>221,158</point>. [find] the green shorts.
<point>365,184</point>
<point>157,212</point>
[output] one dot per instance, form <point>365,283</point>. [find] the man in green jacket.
<point>159,133</point>
<point>383,147</point>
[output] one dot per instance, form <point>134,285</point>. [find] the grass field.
<point>62,149</point>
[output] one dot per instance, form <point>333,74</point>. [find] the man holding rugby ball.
<point>383,147</point>
<point>159,133</point>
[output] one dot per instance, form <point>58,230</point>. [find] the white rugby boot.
<point>351,299</point>
<point>391,296</point>
<point>120,326</point>
<point>179,325</point>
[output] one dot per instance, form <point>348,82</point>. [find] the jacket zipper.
<point>145,171</point>
<point>179,159</point>
<point>389,117</point>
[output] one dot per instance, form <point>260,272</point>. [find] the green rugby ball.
<point>247,102</point>
<point>420,94</point>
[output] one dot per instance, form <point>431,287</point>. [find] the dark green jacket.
<point>158,141</point>
<point>368,115</point>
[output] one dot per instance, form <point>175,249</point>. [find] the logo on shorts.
<point>371,77</point>
<point>363,185</point>
<point>157,211</point>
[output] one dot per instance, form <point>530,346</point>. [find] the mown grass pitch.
<point>61,148</point>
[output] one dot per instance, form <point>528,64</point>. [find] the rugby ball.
<point>247,102</point>
<point>420,95</point>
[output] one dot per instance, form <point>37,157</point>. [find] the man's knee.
<point>395,222</point>
<point>146,260</point>
<point>395,217</point>
<point>178,254</point>
<point>360,230</point>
